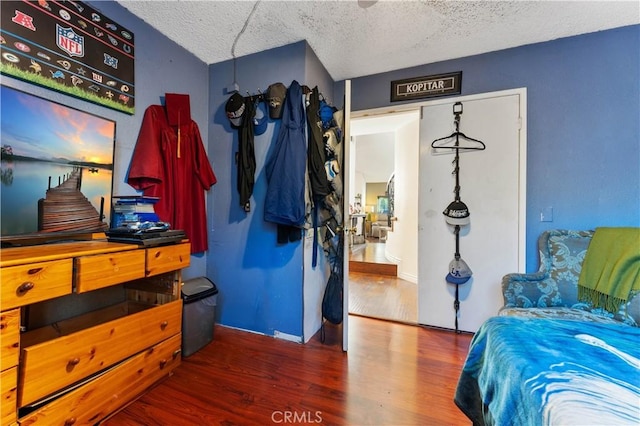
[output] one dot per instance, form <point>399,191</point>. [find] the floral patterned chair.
<point>552,291</point>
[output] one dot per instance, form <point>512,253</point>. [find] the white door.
<point>346,197</point>
<point>492,185</point>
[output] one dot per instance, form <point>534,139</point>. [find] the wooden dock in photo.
<point>65,208</point>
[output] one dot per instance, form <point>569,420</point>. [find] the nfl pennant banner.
<point>69,47</point>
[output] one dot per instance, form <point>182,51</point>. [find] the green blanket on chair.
<point>611,268</point>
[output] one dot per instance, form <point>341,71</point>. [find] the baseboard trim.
<point>408,277</point>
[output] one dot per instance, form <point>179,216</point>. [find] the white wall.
<point>359,187</point>
<point>314,284</point>
<point>352,176</point>
<point>402,243</point>
<point>374,156</point>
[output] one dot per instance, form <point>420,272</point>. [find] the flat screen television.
<point>56,169</point>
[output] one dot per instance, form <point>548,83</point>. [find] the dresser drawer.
<point>54,364</point>
<point>108,392</point>
<point>103,270</point>
<point>9,338</point>
<point>168,258</point>
<point>8,391</point>
<point>26,284</point>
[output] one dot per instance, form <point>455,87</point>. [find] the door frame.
<point>522,179</point>
<point>346,193</point>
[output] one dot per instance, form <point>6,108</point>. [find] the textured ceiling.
<point>352,40</point>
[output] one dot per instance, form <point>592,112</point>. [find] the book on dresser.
<point>133,209</point>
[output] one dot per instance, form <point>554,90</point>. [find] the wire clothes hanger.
<point>477,145</point>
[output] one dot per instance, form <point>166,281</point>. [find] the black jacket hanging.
<point>246,156</point>
<point>318,181</point>
<point>315,152</point>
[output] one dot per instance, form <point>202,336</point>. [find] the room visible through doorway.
<point>382,266</point>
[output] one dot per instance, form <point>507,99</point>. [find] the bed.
<point>539,371</point>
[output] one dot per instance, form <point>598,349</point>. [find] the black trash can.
<point>199,297</point>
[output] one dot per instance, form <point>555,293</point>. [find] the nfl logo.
<point>69,41</point>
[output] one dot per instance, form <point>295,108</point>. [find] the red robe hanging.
<point>176,173</point>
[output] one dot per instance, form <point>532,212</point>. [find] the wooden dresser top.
<point>54,251</point>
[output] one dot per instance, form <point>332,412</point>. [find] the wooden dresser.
<point>82,369</point>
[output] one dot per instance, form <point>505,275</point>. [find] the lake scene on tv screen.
<point>56,167</point>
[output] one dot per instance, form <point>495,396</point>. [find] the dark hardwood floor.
<point>393,374</point>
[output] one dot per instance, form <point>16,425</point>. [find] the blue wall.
<point>260,281</point>
<point>583,153</point>
<point>161,66</point>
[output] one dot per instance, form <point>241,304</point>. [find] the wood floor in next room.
<point>393,374</point>
<point>375,290</point>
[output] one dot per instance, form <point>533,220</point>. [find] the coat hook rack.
<point>256,97</point>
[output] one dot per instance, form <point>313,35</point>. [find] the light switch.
<point>546,214</point>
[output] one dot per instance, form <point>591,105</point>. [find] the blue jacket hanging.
<point>286,168</point>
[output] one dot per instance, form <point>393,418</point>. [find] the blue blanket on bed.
<point>532,371</point>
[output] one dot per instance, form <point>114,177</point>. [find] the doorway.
<point>383,181</point>
<point>492,248</point>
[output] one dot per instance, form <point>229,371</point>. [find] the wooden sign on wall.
<point>426,87</point>
<point>69,47</point>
